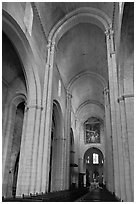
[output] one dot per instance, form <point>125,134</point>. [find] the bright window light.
<point>59,88</point>
<point>95,158</point>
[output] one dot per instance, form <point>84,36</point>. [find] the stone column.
<point>126,154</point>
<point>62,161</point>
<point>108,144</point>
<point>67,144</point>
<point>34,162</point>
<point>26,150</point>
<point>119,180</point>
<point>48,120</point>
<point>57,183</point>
<point>45,127</point>
<point>129,110</point>
<point>7,148</point>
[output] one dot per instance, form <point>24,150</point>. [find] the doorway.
<point>94,165</point>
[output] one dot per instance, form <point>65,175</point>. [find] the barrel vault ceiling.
<point>80,50</point>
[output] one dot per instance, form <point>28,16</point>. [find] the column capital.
<point>109,31</point>
<point>121,98</point>
<point>32,105</point>
<point>106,91</point>
<point>50,44</point>
<point>69,95</point>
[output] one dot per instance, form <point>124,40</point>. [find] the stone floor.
<point>77,195</point>
<point>98,195</point>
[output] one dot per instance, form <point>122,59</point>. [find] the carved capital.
<point>106,91</point>
<point>121,98</point>
<point>35,106</point>
<point>109,32</point>
<point>50,45</point>
<point>69,95</point>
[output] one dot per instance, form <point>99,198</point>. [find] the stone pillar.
<point>129,110</point>
<point>119,180</point>
<point>48,120</point>
<point>45,126</point>
<point>7,148</point>
<point>5,117</point>
<point>67,144</point>
<point>57,183</point>
<point>26,150</point>
<point>62,162</point>
<point>108,144</point>
<point>34,163</point>
<point>126,153</point>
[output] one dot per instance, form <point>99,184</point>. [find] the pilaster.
<point>115,117</point>
<point>7,149</point>
<point>58,164</point>
<point>67,137</point>
<point>47,118</point>
<point>126,148</point>
<point>35,149</point>
<point>129,110</point>
<point>108,143</point>
<point>26,151</point>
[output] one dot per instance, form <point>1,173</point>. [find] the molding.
<point>113,16</point>
<point>39,18</point>
<point>80,15</point>
<point>121,98</point>
<point>5,82</point>
<point>18,99</point>
<point>34,106</point>
<point>90,74</point>
<point>90,102</point>
<point>93,146</point>
<point>22,45</point>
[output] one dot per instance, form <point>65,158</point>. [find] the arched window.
<point>95,158</point>
<point>92,130</point>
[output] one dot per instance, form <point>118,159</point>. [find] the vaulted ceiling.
<point>82,49</point>
<point>81,52</point>
<point>52,12</point>
<point>81,55</point>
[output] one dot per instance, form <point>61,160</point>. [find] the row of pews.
<point>60,196</point>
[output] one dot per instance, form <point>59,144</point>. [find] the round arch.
<point>14,32</point>
<point>81,15</point>
<point>89,102</point>
<point>55,161</point>
<point>95,109</point>
<point>58,115</point>
<point>15,101</point>
<point>83,75</point>
<point>9,152</point>
<point>94,149</point>
<point>94,165</point>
